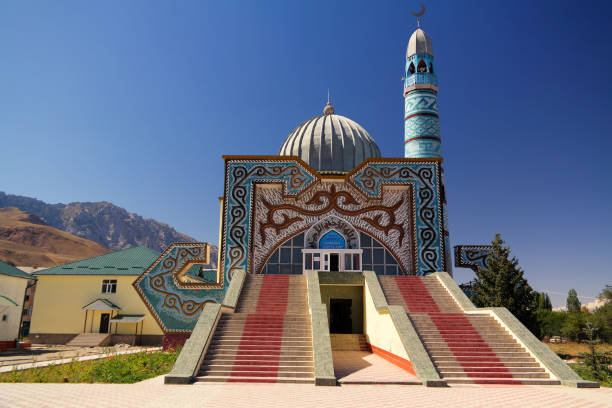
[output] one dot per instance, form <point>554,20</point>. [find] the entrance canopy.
<point>101,304</point>
<point>127,318</point>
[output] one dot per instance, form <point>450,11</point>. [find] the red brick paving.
<point>153,393</point>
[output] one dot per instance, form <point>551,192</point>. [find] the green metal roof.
<point>131,261</point>
<point>6,269</point>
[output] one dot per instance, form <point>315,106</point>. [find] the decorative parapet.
<point>472,256</point>
<point>413,348</point>
<point>189,361</point>
<point>235,288</point>
<point>321,342</point>
<point>542,353</point>
<point>173,293</point>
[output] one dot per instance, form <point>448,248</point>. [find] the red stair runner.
<point>457,339</point>
<point>265,344</point>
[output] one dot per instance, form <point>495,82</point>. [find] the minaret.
<point>421,121</point>
<point>422,126</point>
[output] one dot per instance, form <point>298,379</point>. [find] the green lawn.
<point>127,368</point>
<point>604,379</point>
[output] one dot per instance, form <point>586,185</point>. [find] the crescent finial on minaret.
<point>419,14</point>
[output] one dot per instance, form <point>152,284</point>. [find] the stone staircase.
<point>90,340</point>
<point>268,338</point>
<point>465,348</point>
<point>349,342</point>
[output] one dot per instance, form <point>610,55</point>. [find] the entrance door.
<point>333,262</point>
<point>104,319</point>
<point>340,316</point>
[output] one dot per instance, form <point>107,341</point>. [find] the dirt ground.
<point>572,349</point>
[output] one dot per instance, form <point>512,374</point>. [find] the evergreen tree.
<point>573,303</point>
<point>542,301</point>
<point>502,284</point>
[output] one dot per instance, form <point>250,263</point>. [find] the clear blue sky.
<point>135,102</point>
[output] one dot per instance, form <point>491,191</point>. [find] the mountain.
<point>102,222</point>
<point>25,240</point>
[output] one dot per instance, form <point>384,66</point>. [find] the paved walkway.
<point>360,367</point>
<point>153,393</point>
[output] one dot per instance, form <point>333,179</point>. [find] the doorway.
<point>334,260</point>
<point>104,319</point>
<point>341,320</point>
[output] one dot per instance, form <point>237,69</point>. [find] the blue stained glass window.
<point>332,240</point>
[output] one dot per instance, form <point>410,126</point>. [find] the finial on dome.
<point>328,109</point>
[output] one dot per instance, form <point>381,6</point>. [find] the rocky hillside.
<point>25,240</point>
<point>102,222</point>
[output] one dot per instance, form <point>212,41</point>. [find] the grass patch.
<point>603,378</point>
<point>126,368</point>
<point>576,351</point>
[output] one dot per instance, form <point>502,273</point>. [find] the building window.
<point>422,68</point>
<point>376,258</point>
<point>109,286</point>
<point>287,259</point>
<point>25,312</point>
<point>411,68</point>
<point>27,297</point>
<point>4,318</point>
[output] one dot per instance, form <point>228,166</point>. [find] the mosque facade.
<point>328,237</point>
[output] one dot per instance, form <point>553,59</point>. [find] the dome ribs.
<point>330,143</point>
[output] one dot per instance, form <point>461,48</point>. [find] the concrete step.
<point>260,354</point>
<point>292,336</point>
<point>294,370</point>
<point>490,364</point>
<point>484,359</point>
<point>459,332</point>
<point>253,379</point>
<point>473,354</point>
<point>261,342</point>
<point>462,374</point>
<point>90,340</point>
<point>349,342</point>
<point>254,360</point>
<point>257,373</point>
<point>461,369</point>
<point>257,348</point>
<point>474,347</point>
<point>506,381</point>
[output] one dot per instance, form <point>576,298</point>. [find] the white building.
<point>13,284</point>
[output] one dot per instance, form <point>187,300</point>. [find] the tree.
<point>573,326</point>
<point>503,284</point>
<point>542,301</point>
<point>550,323</point>
<point>596,360</point>
<point>606,294</point>
<point>573,303</point>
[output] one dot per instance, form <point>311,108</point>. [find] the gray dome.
<point>330,142</point>
<point>419,43</point>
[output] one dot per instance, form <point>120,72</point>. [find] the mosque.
<point>328,246</point>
